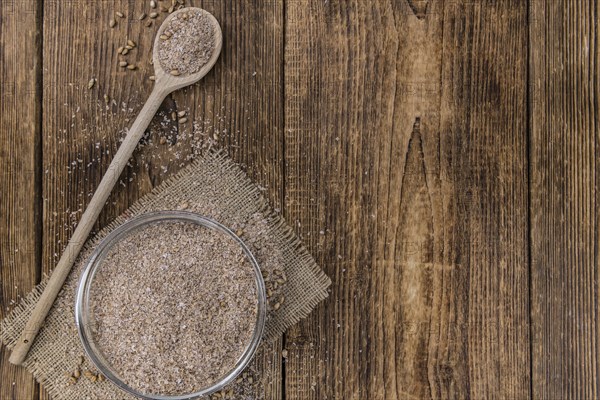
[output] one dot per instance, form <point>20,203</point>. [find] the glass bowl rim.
<point>95,260</point>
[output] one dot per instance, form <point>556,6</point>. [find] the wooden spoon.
<point>165,84</point>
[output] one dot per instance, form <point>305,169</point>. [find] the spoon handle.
<point>85,225</point>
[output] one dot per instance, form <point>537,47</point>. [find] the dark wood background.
<point>438,157</point>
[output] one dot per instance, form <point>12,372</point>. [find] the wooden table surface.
<point>440,159</point>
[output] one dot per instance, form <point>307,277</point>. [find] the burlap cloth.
<point>212,186</point>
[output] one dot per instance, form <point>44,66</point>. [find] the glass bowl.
<point>85,323</point>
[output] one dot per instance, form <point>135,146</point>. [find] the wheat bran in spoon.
<point>187,43</point>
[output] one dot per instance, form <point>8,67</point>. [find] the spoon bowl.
<point>164,78</point>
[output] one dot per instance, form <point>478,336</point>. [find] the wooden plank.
<point>564,198</point>
<point>406,175</point>
<point>20,191</point>
<point>484,147</point>
<point>239,103</point>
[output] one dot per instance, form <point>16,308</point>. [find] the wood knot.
<point>419,7</point>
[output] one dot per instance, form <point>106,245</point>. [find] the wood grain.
<point>20,189</point>
<point>564,121</point>
<point>397,138</point>
<point>239,103</point>
<point>484,154</point>
<point>406,175</point>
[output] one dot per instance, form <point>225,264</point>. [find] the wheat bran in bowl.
<point>171,306</point>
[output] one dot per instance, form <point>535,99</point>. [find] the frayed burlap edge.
<point>58,347</point>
